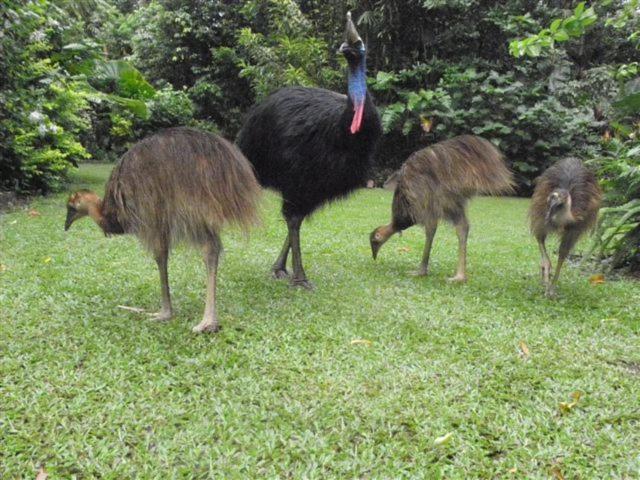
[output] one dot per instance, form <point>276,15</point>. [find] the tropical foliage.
<point>618,161</point>
<point>543,80</point>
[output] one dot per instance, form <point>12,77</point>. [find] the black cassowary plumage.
<point>299,142</point>
<point>313,146</point>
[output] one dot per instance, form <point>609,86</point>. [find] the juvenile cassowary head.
<point>79,204</point>
<point>378,238</point>
<point>353,47</point>
<point>559,205</point>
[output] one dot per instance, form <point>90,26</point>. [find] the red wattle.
<point>356,123</point>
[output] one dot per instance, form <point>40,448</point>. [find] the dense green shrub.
<point>281,49</point>
<point>530,125</point>
<point>190,44</point>
<point>437,68</point>
<point>58,94</point>
<point>456,76</point>
<point>618,232</point>
<point>225,54</point>
<point>617,90</point>
<point>42,109</point>
<point>170,108</point>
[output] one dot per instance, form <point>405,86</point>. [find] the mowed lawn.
<point>458,381</point>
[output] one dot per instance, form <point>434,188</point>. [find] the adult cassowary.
<point>313,146</point>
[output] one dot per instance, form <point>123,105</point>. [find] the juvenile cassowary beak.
<point>374,249</point>
<point>375,244</point>
<point>71,217</point>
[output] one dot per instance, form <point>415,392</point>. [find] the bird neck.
<point>387,231</point>
<point>357,88</point>
<point>95,212</point>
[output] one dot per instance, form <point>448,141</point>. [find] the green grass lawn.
<point>91,390</point>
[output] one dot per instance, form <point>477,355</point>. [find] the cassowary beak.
<point>71,216</point>
<point>554,202</point>
<point>375,247</point>
<point>376,242</point>
<point>378,237</point>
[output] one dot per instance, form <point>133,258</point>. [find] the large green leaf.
<point>130,83</point>
<point>629,104</point>
<point>135,106</point>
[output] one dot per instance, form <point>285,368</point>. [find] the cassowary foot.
<point>161,316</point>
<point>280,273</point>
<point>206,326</point>
<point>421,272</point>
<point>302,282</point>
<point>458,278</point>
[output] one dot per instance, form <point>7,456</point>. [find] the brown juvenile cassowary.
<point>313,146</point>
<point>180,184</point>
<point>565,201</point>
<point>436,183</point>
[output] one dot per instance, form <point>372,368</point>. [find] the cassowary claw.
<point>280,273</point>
<point>459,278</point>
<point>422,272</point>
<point>206,326</point>
<point>304,283</point>
<point>161,316</point>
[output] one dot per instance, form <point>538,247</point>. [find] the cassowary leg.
<point>430,228</point>
<point>545,262</point>
<point>279,268</point>
<point>566,244</point>
<point>209,321</point>
<point>462,229</point>
<point>162,258</point>
<point>299,278</point>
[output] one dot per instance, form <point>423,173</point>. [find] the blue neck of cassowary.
<point>358,83</point>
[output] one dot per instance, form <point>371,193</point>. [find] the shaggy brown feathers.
<point>437,180</point>
<point>436,183</point>
<point>565,201</point>
<point>180,184</point>
<point>581,184</point>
